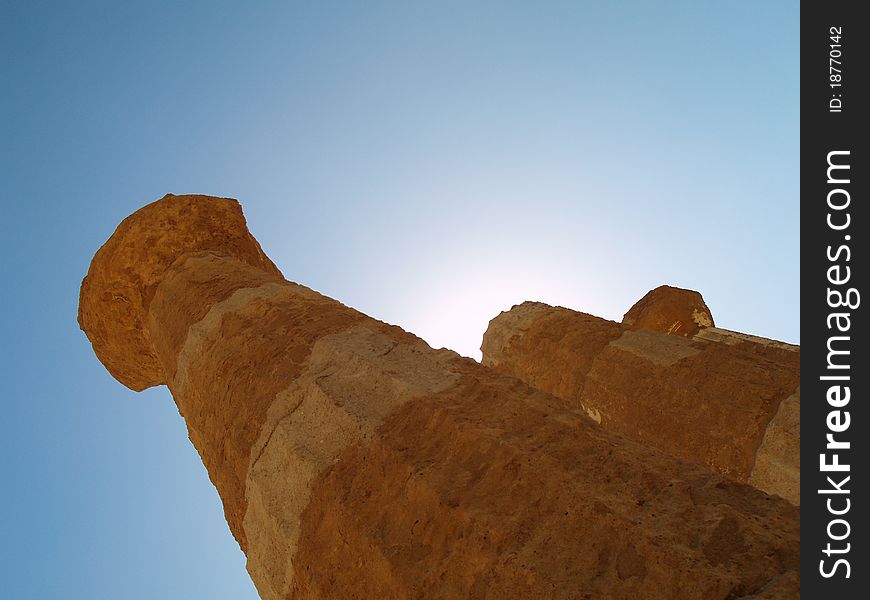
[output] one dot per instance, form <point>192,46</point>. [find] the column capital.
<point>117,290</point>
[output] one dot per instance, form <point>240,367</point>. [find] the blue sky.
<point>430,165</point>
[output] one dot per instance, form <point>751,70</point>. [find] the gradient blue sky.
<point>430,165</point>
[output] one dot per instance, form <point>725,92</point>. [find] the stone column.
<point>667,378</point>
<point>354,461</point>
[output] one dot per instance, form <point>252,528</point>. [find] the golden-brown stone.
<point>354,461</point>
<point>127,268</point>
<point>711,398</point>
<point>670,310</point>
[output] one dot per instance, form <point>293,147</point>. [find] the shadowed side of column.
<point>354,461</point>
<point>726,400</point>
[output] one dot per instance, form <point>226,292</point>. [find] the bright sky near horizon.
<point>430,164</point>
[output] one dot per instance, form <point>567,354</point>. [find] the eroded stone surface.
<point>249,345</point>
<point>489,490</point>
<point>354,461</point>
<point>711,398</point>
<point>778,459</point>
<point>314,421</point>
<point>670,310</point>
<point>543,331</point>
<point>126,270</point>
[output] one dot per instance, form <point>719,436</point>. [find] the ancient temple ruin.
<point>354,461</point>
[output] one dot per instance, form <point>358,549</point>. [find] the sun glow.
<point>455,308</point>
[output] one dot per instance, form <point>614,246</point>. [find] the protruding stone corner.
<point>670,310</point>
<point>125,271</point>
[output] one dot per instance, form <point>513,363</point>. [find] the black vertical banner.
<point>835,372</point>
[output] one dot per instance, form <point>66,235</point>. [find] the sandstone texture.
<point>354,461</point>
<point>124,274</point>
<point>726,400</point>
<point>670,310</point>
